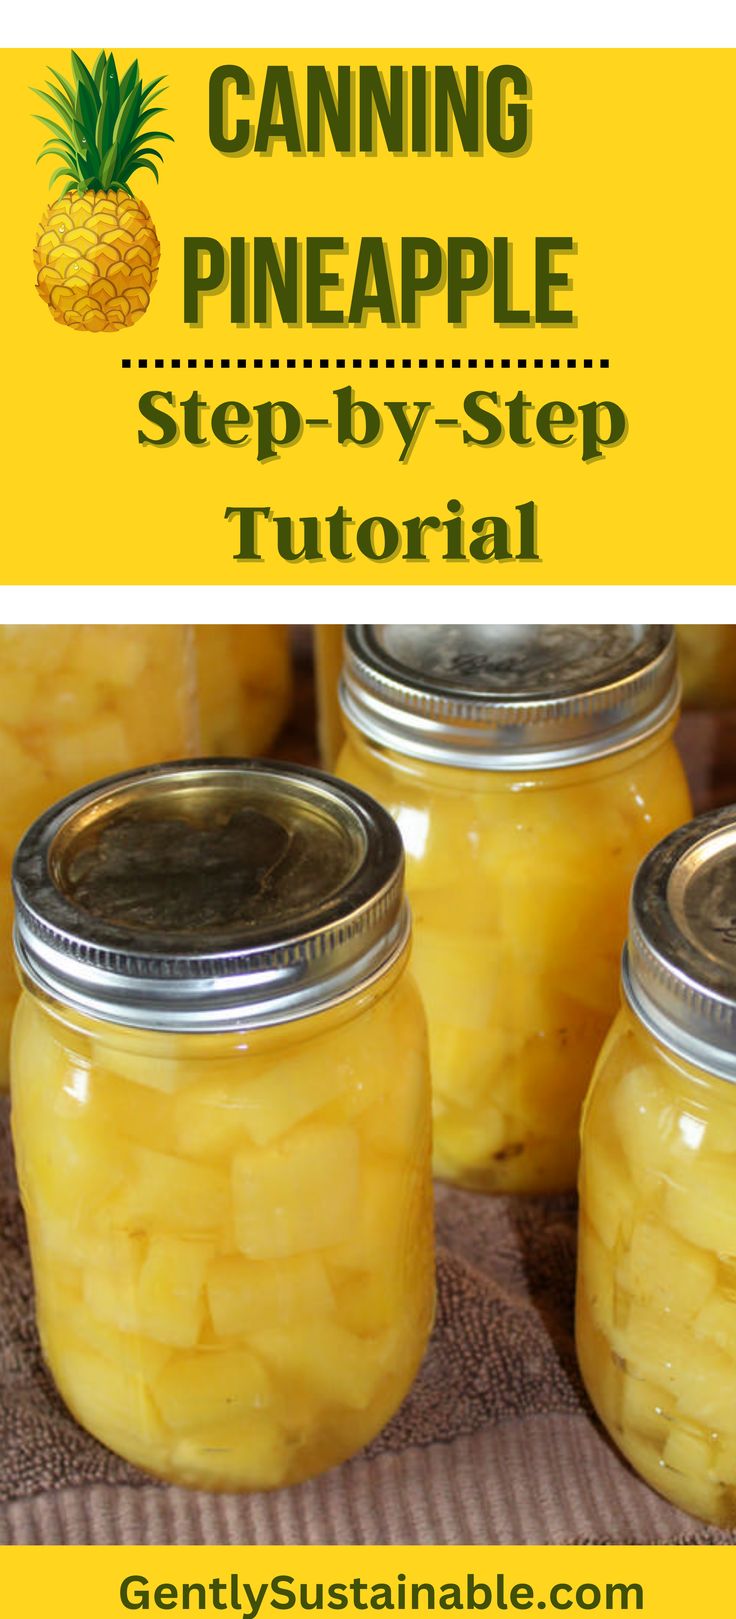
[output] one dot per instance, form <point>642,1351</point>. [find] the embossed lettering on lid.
<point>507,696</point>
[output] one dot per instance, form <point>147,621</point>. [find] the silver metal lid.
<point>679,968</point>
<point>209,894</point>
<point>509,696</point>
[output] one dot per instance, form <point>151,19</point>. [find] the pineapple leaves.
<point>149,88</point>
<point>84,77</point>
<point>150,135</point>
<point>126,123</point>
<point>65,85</point>
<point>88,110</point>
<point>58,173</point>
<point>55,128</point>
<point>56,104</point>
<point>145,151</point>
<point>140,163</point>
<point>109,107</point>
<point>108,166</point>
<point>53,150</point>
<point>127,81</point>
<point>97,129</point>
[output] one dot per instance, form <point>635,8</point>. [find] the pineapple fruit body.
<point>519,889</point>
<point>97,257</point>
<point>231,1235</point>
<point>656,1293</point>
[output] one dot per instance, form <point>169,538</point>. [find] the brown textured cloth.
<point>494,1444</point>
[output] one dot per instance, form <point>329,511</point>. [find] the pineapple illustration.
<point>97,251</point>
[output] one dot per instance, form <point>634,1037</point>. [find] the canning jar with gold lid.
<point>656,1301</point>
<point>529,767</point>
<point>220,1106</point>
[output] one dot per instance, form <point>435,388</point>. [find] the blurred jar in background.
<point>78,702</point>
<point>327,666</point>
<point>244,682</point>
<point>707,655</point>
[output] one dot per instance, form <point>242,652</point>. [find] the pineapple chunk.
<point>244,1294</point>
<point>334,1366</point>
<point>171,1300</point>
<point>99,748</point>
<point>453,976</point>
<point>160,1295</point>
<point>473,1138</point>
<point>689,1453</point>
<point>250,1455</point>
<point>144,1067</point>
<point>120,664</point>
<point>255,1104</point>
<point>71,1170</point>
<point>371,1301</point>
<point>700,1377</point>
<point>278,1099</point>
<point>468,1071</point>
<point>703,1497</point>
<point>717,1321</point>
<point>661,1270</point>
<point>67,1320</point>
<point>297,1194</point>
<point>724,1459</point>
<point>378,1229</point>
<point>110,1401</point>
<point>141,1117</point>
<point>645,1411</point>
<point>701,1205</point>
<point>646,1116</point>
<point>606,1191</point>
<point>595,1275</point>
<point>167,1195</point>
<point>111,1293</point>
<point>211,1387</point>
<point>602,1373</point>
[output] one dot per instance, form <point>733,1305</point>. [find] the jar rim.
<point>537,696</point>
<point>679,962</point>
<point>127,910</point>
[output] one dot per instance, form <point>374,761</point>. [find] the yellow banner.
<point>420,318</point>
<point>251,1581</point>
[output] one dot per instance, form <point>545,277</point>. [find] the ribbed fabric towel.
<point>494,1445</point>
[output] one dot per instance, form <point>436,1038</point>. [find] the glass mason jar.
<point>529,768</point>
<point>243,686</point>
<point>708,665</point>
<point>80,701</point>
<point>220,1107</point>
<point>656,1294</point>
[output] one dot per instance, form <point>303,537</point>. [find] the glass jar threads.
<point>220,1105</point>
<point>529,768</point>
<point>656,1297</point>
